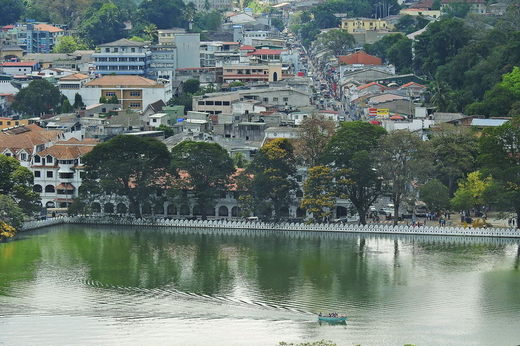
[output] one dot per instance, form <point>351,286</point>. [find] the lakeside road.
<point>296,227</point>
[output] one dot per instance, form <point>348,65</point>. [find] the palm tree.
<point>150,31</point>
<point>189,14</point>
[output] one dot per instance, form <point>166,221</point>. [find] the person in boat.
<point>320,314</point>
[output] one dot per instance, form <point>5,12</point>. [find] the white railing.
<point>283,226</point>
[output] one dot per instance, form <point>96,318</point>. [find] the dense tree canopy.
<point>11,11</point>
<point>16,182</point>
<point>352,154</point>
<point>68,44</point>
<point>500,159</point>
<point>338,41</point>
<point>273,182</point>
<point>402,159</point>
<point>163,13</point>
<point>130,166</point>
<point>40,97</point>
<point>204,170</point>
<point>101,23</point>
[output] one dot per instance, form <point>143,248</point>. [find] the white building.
<point>58,171</point>
<point>133,92</point>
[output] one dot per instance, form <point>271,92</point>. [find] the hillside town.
<point>256,77</point>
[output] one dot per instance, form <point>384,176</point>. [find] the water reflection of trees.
<point>276,267</point>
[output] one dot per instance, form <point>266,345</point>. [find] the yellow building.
<point>353,25</point>
<point>6,123</point>
<point>421,12</point>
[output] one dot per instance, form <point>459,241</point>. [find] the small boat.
<point>332,319</point>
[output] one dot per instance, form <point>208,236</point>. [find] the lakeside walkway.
<point>283,226</point>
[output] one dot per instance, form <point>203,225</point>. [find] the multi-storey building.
<point>210,5</point>
<point>123,57</point>
<point>23,142</point>
<point>58,171</point>
<point>71,84</point>
<point>353,25</point>
<point>31,37</point>
<point>252,73</point>
<point>175,49</point>
<point>133,92</point>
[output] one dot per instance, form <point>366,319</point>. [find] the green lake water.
<point>82,285</point>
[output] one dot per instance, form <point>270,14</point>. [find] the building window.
<point>285,99</point>
<point>23,156</point>
<point>135,105</point>
<point>275,99</point>
<point>135,93</point>
<point>266,99</point>
<point>37,159</point>
<point>49,174</point>
<point>37,174</point>
<point>49,159</point>
<point>110,94</point>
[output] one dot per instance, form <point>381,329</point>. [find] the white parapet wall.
<point>283,226</point>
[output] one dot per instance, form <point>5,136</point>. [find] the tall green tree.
<point>78,101</point>
<point>11,217</point>
<point>164,14</point>
<point>436,196</point>
<point>500,99</point>
<point>191,86</point>
<point>129,166</point>
<point>441,41</point>
<point>204,169</point>
<point>101,23</point>
<point>315,133</point>
<point>16,182</point>
<point>455,151</point>
<point>338,41</point>
<point>68,44</point>
<point>273,183</point>
<point>319,193</point>
<point>352,154</point>
<point>11,11</point>
<point>402,160</point>
<point>500,158</point>
<point>470,193</point>
<point>39,97</point>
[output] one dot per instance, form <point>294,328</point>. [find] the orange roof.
<point>74,77</point>
<point>364,86</point>
<point>130,81</point>
<point>19,63</point>
<point>69,150</point>
<point>360,57</point>
<point>412,84</point>
<point>26,138</point>
<point>47,27</point>
<point>247,48</point>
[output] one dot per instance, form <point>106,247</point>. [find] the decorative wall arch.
<point>108,208</point>
<point>223,211</point>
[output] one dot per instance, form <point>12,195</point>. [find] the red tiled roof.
<point>247,48</point>
<point>19,63</point>
<point>361,58</point>
<point>47,27</point>
<point>364,86</point>
<point>410,84</point>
